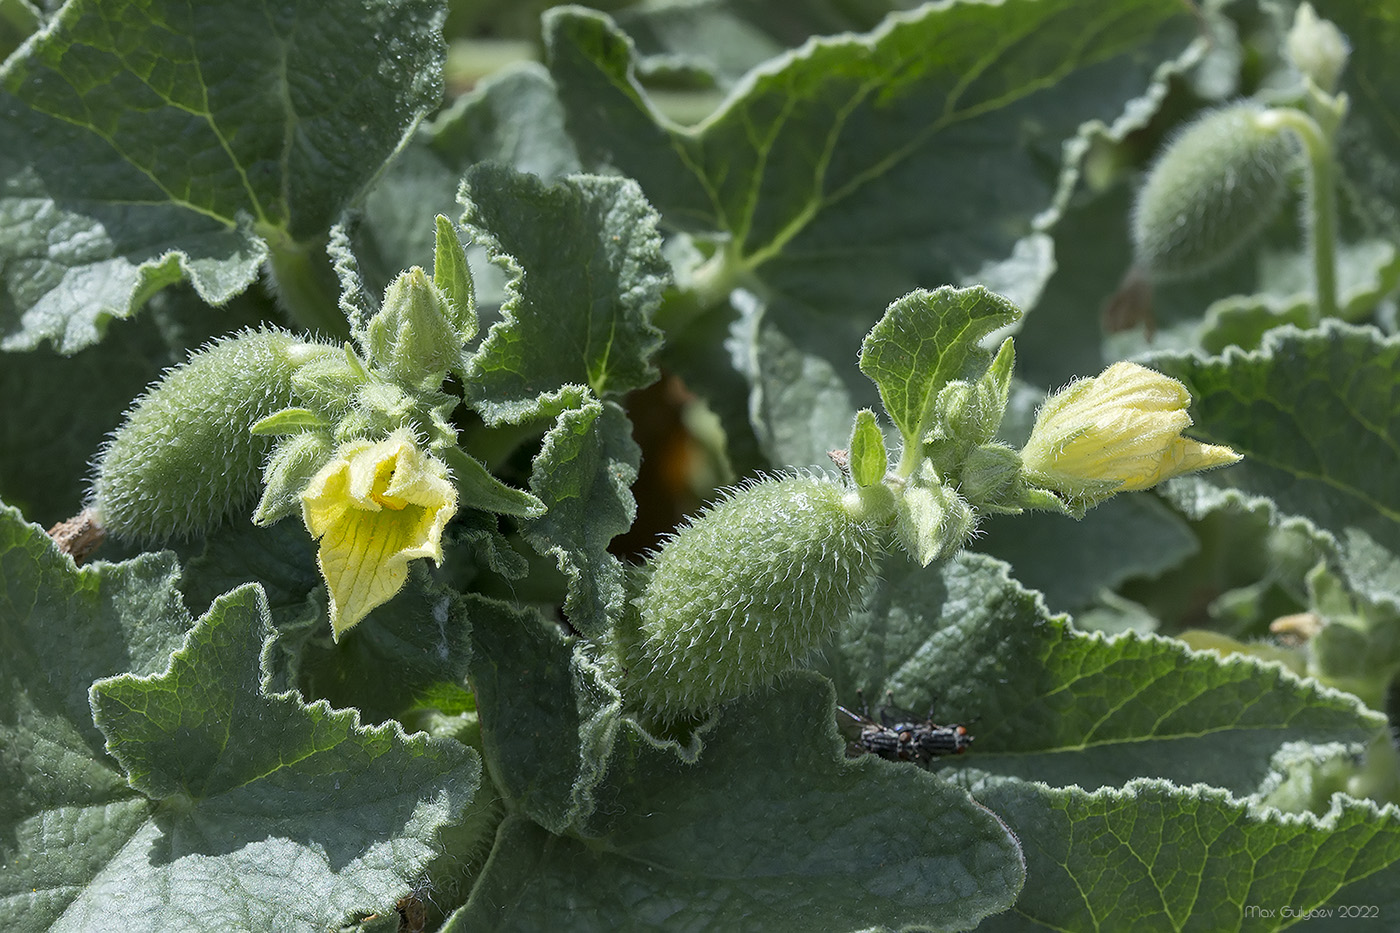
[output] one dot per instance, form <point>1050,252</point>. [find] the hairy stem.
<point>1321,213</point>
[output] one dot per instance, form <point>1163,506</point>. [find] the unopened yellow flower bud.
<point>374,508</point>
<point>1117,432</point>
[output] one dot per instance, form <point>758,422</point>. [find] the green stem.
<point>1321,205</point>
<point>306,286</point>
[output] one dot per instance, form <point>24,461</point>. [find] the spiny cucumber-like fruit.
<point>745,592</point>
<point>1213,190</point>
<point>184,459</point>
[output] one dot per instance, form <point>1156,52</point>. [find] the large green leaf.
<point>726,38</point>
<point>586,271</point>
<point>67,810</point>
<point>769,828</point>
<point>1317,416</point>
<point>154,140</point>
<point>243,783</point>
<point>1066,707</point>
<point>1150,856</point>
<point>422,636</point>
<point>1071,562</point>
<point>844,174</point>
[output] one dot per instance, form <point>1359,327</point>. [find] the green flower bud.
<point>1317,48</point>
<point>971,412</point>
<point>329,385</point>
<point>868,458</point>
<point>933,522</point>
<point>1116,432</point>
<point>1214,189</point>
<point>746,592</point>
<point>411,335</point>
<point>185,458</point>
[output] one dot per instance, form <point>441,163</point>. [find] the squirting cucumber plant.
<point>481,486</point>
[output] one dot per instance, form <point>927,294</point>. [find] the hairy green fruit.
<point>184,459</point>
<point>746,592</point>
<point>1214,189</point>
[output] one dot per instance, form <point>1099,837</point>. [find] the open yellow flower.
<point>1117,432</point>
<point>374,508</point>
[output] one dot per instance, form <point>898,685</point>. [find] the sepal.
<point>453,279</point>
<point>478,489</point>
<point>289,421</point>
<point>868,458</point>
<point>294,461</point>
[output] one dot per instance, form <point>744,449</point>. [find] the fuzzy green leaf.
<point>244,781</point>
<point>453,278</point>
<point>1151,856</point>
<point>549,719</point>
<point>1067,707</point>
<point>280,558</point>
<point>744,839</point>
<point>67,810</point>
<point>422,635</point>
<point>583,312</point>
<point>478,489</point>
<point>1317,416</point>
<point>153,141</point>
<point>584,474</point>
<point>924,340</point>
<point>288,421</point>
<point>512,117</point>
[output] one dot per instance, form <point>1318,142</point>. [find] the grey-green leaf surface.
<point>512,117</point>
<point>726,38</point>
<point>856,168</point>
<point>1317,416</point>
<point>153,141</point>
<point>548,717</point>
<point>1152,856</point>
<point>1070,561</point>
<point>584,474</point>
<point>771,828</point>
<point>266,812</point>
<point>583,312</point>
<point>67,809</point>
<point>1069,707</point>
<point>925,340</point>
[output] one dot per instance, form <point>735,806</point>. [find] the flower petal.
<point>374,508</point>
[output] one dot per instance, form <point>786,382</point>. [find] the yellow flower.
<point>374,508</point>
<point>1117,432</point>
